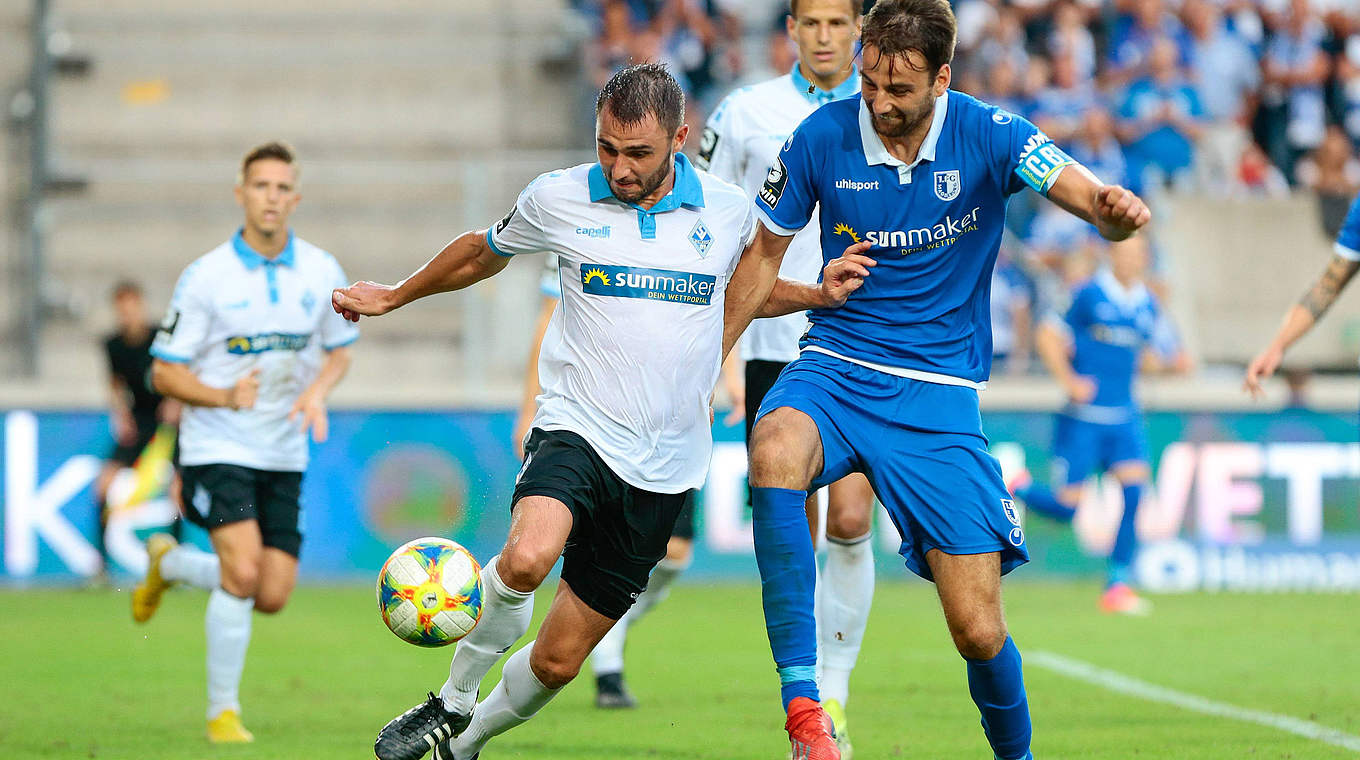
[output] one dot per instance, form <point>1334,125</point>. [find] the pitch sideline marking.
<point>1123,684</point>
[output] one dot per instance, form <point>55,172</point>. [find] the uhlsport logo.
<point>856,185</point>
<point>648,284</point>
<point>1016,536</point>
<point>945,232</point>
<point>258,344</point>
<point>947,185</point>
<point>599,233</point>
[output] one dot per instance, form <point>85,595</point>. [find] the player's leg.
<point>279,506</point>
<point>1075,453</point>
<point>1128,451</point>
<point>969,586</point>
<point>539,527</point>
<point>227,624</point>
<point>611,692</point>
<point>169,562</point>
<point>535,674</point>
<point>845,592</point>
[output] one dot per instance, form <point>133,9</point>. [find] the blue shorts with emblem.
<point>1081,448</point>
<point>922,448</point>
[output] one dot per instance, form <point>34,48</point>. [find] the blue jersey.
<point>1348,239</point>
<point>1111,326</point>
<point>935,226</point>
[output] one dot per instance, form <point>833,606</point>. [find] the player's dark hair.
<point>642,89</point>
<point>125,288</point>
<point>793,10</point>
<point>274,149</point>
<point>897,27</point>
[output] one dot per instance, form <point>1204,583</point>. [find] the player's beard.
<point>648,184</point>
<point>904,123</point>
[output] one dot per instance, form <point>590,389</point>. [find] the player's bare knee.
<point>980,638</point>
<point>776,461</point>
<point>552,668</point>
<point>522,566</point>
<point>679,550</point>
<point>270,603</point>
<point>847,524</point>
<point>241,580</point>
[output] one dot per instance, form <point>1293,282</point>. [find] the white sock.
<point>506,614</point>
<point>514,700</point>
<point>608,654</point>
<point>189,564</point>
<point>228,627</point>
<point>845,592</point>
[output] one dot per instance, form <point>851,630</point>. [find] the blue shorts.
<point>922,448</point>
<point>1081,448</point>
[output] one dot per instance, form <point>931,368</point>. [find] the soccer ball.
<point>430,592</point>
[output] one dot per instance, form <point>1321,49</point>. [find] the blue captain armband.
<point>1040,167</point>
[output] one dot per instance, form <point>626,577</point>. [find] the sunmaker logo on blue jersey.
<point>258,344</point>
<point>651,284</point>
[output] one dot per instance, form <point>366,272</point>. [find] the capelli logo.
<point>594,232</point>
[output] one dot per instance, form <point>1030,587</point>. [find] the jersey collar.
<point>1127,299</point>
<point>818,96</point>
<point>876,153</point>
<point>688,191</point>
<point>253,259</point>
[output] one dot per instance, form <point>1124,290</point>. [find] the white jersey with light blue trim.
<point>632,353</point>
<point>234,311</point>
<point>740,142</point>
<point>935,226</point>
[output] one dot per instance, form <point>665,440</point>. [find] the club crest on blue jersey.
<point>701,238</point>
<point>649,284</point>
<point>947,185</point>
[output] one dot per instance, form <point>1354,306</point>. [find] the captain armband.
<point>1041,165</point>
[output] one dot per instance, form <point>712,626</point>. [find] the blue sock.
<point>1126,540</point>
<point>1041,499</point>
<point>998,689</point>
<point>788,585</point>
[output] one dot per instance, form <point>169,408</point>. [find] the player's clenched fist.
<point>363,298</point>
<point>843,276</point>
<point>1119,212</point>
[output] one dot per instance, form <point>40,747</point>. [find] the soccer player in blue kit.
<point>887,385</point>
<point>1094,352</point>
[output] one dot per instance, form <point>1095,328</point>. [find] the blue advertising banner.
<point>1241,501</point>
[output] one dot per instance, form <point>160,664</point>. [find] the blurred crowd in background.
<point>1227,98</point>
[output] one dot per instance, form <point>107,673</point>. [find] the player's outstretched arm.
<point>466,260</point>
<point>1116,212</point>
<point>752,282</point>
<point>1299,320</point>
<point>841,277</point>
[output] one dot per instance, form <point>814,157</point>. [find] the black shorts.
<point>126,453</point>
<point>684,522</point>
<point>760,377</point>
<point>619,531</point>
<point>219,494</point>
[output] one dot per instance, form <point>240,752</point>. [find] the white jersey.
<point>631,355</point>
<point>235,311</point>
<point>740,143</point>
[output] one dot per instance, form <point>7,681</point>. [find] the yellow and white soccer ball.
<point>430,592</point>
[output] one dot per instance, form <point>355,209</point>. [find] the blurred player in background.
<point>1301,317</point>
<point>887,385</point>
<point>646,245</point>
<point>606,660</point>
<point>740,143</point>
<point>1095,352</point>
<point>135,408</point>
<point>251,347</point>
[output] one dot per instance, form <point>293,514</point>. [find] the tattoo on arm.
<point>1320,297</point>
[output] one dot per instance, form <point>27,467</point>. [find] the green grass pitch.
<point>82,681</point>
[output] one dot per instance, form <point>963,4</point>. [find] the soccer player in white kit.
<point>250,347</point>
<point>740,144</point>
<point>647,245</point>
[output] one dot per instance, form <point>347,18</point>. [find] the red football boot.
<point>811,735</point>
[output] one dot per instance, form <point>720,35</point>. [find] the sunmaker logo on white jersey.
<point>651,284</point>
